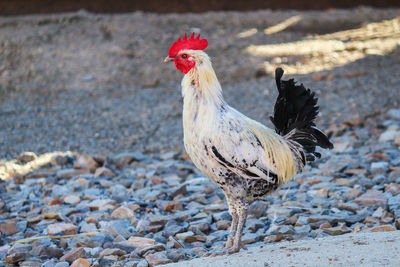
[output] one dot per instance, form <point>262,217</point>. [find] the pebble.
<point>157,258</point>
<point>81,263</point>
<point>371,197</point>
<point>123,213</point>
<point>8,228</point>
<point>72,199</point>
<point>338,230</point>
<point>103,172</point>
<point>140,242</point>
<point>61,228</point>
<point>380,167</point>
<point>74,254</point>
<point>382,228</point>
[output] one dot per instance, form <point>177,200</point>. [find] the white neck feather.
<point>201,83</point>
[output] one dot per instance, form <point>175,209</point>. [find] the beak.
<point>168,59</point>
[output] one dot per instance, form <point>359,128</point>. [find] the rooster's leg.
<point>235,218</point>
<point>242,214</point>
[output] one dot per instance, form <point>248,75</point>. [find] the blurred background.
<point>23,7</point>
<point>88,76</point>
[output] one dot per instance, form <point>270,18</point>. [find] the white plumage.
<point>245,158</point>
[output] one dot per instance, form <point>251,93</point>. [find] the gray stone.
<point>380,167</point>
<point>173,229</point>
<point>142,263</point>
<point>175,255</point>
<point>154,248</point>
<point>258,208</point>
<point>304,229</point>
<point>254,224</point>
<point>62,264</point>
<point>394,203</point>
<point>394,113</point>
<point>380,179</point>
<point>250,238</point>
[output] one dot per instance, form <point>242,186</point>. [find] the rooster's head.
<point>183,52</point>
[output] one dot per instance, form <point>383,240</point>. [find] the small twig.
<point>283,25</point>
<point>31,239</point>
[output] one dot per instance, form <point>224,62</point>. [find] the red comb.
<point>191,43</point>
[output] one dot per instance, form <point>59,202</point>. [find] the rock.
<point>81,263</point>
<point>389,135</point>
<point>302,220</point>
<point>62,264</point>
<point>87,227</point>
<point>72,199</point>
<point>382,228</point>
<point>103,171</point>
<point>336,163</point>
<point>353,207</point>
<point>380,167</point>
<point>123,213</point>
<point>187,237</point>
<point>250,238</point>
<point>68,173</point>
<point>394,203</point>
<point>254,224</point>
<point>371,197</point>
<point>394,113</point>
<point>173,229</point>
<point>175,255</point>
<point>112,251</point>
<point>101,204</point>
<point>16,257</point>
<point>215,208</point>
<point>142,263</point>
<point>156,219</point>
<point>26,157</point>
<point>173,243</point>
<point>379,179</point>
<point>49,263</point>
<point>118,227</point>
<point>140,242</point>
<point>153,248</point>
<point>302,229</point>
<point>378,212</point>
<point>63,228</point>
<point>181,190</point>
<point>75,254</point>
<point>223,225</point>
<point>280,229</point>
<point>352,193</point>
<point>124,159</point>
<point>9,228</point>
<point>325,225</point>
<point>45,250</point>
<point>394,175</point>
<point>85,162</point>
<point>157,258</point>
<point>338,230</point>
<point>393,188</point>
<point>258,208</point>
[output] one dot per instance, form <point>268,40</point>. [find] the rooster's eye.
<point>184,56</point>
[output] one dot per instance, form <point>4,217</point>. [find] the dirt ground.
<point>96,83</point>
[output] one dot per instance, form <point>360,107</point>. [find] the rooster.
<point>245,158</point>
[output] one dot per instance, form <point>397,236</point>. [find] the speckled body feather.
<point>247,159</point>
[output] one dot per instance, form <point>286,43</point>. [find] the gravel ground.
<point>95,83</point>
<point>134,209</point>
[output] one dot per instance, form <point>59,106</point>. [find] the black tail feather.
<point>296,109</point>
